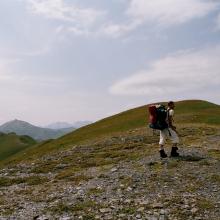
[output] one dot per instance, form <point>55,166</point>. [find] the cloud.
<point>117,30</point>
<point>60,10</point>
<point>187,73</point>
<point>170,12</point>
<point>160,13</point>
<point>92,22</point>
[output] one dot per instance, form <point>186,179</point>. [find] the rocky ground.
<point>119,177</point>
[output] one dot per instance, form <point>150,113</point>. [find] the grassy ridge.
<point>11,143</point>
<point>193,111</point>
<point>187,112</point>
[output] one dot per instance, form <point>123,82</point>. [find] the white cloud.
<point>117,30</point>
<point>92,22</point>
<point>60,10</point>
<point>160,13</point>
<point>185,74</point>
<point>170,12</point>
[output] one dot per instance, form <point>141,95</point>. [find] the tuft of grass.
<point>95,191</point>
<point>205,204</point>
<point>205,163</point>
<point>126,180</point>
<point>173,164</point>
<point>35,180</point>
<point>128,210</point>
<point>215,178</point>
<point>156,166</point>
<point>4,181</point>
<point>215,153</point>
<point>32,180</point>
<point>8,211</point>
<point>45,167</point>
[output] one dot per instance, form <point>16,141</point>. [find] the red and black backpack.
<point>157,117</point>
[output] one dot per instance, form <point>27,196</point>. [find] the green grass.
<point>205,204</point>
<point>32,180</point>
<point>215,153</point>
<point>187,112</point>
<point>11,144</point>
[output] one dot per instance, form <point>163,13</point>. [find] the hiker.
<point>169,132</point>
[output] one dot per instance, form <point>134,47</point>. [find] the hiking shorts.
<point>170,134</point>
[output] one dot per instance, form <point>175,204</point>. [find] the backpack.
<point>157,117</point>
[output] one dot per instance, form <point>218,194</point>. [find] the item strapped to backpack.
<point>157,117</point>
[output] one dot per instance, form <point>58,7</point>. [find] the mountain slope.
<point>192,111</point>
<point>24,128</point>
<point>11,144</point>
<point>187,112</point>
<point>110,171</point>
<point>118,175</point>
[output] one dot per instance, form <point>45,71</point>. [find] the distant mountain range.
<point>38,133</point>
<point>62,125</point>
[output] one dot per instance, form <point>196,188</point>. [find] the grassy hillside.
<point>193,111</point>
<point>187,112</point>
<point>11,144</point>
<point>77,175</point>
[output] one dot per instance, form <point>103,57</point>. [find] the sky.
<point>73,60</point>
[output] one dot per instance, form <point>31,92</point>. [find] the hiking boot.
<point>174,152</point>
<point>163,154</point>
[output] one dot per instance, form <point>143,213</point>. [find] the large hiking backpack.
<point>157,117</point>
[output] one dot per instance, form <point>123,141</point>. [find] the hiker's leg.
<point>175,140</point>
<point>161,144</point>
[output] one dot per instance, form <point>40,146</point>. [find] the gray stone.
<point>157,205</point>
<point>194,210</point>
<point>114,169</point>
<point>105,210</point>
<point>141,209</point>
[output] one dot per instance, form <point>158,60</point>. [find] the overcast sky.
<point>71,60</point>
